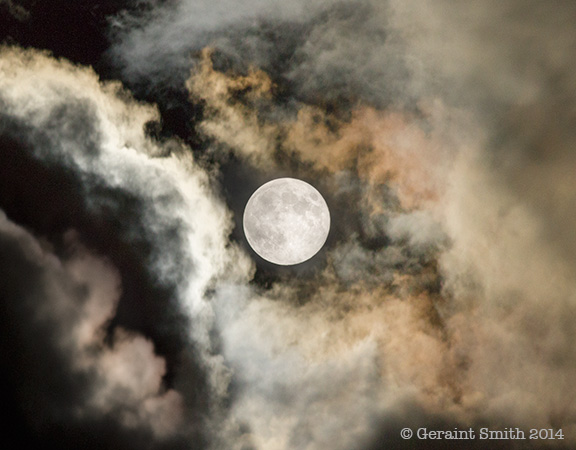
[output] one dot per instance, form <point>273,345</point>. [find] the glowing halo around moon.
<point>286,221</point>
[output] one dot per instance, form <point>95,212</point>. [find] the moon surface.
<point>286,221</point>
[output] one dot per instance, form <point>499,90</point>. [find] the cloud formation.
<point>441,136</point>
<point>69,303</point>
<point>494,263</point>
<point>86,135</point>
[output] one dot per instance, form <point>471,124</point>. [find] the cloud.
<point>476,231</point>
<point>515,287</point>
<point>240,115</point>
<point>231,123</point>
<point>17,11</point>
<point>507,269</point>
<point>321,51</point>
<point>489,55</point>
<point>68,368</point>
<point>148,46</point>
<point>145,204</point>
<point>441,136</point>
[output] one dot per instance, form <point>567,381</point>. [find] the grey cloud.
<point>153,45</point>
<point>326,51</point>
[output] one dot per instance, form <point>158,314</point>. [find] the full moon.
<point>286,221</point>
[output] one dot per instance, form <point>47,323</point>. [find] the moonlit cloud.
<point>95,131</point>
<point>441,136</point>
